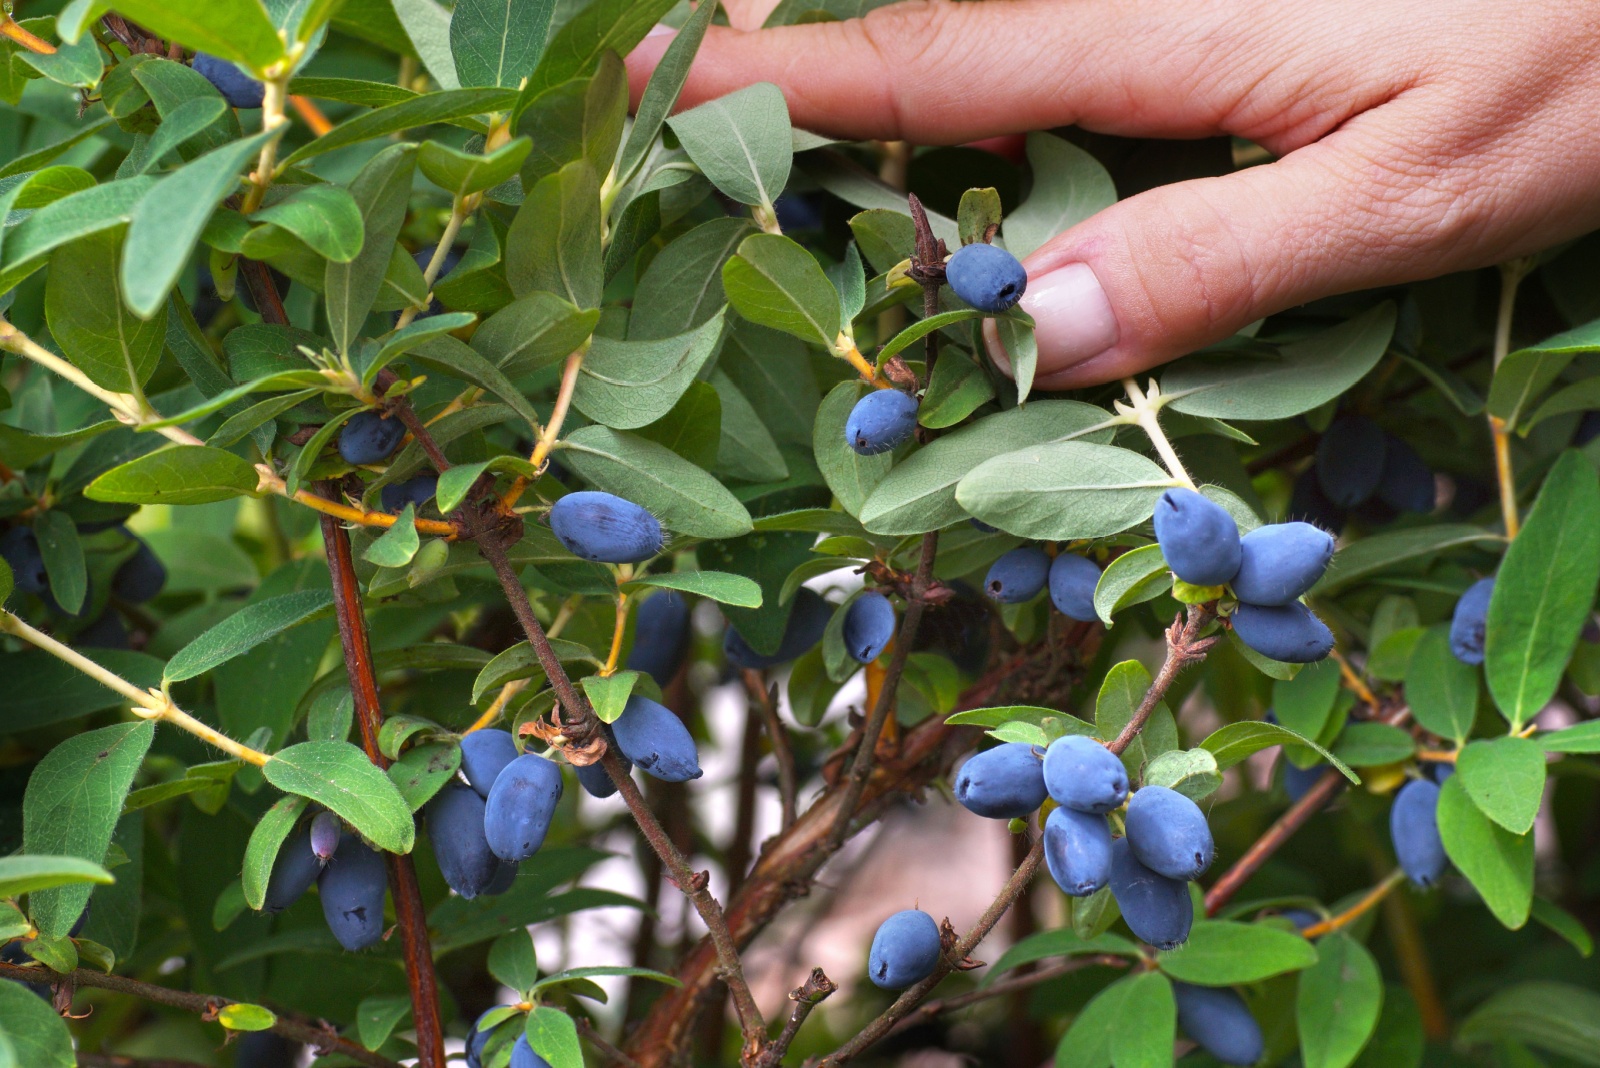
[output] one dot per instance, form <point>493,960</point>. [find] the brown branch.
<point>930,1009</point>
<point>813,992</point>
<point>736,858</point>
<point>765,698</point>
<point>264,291</point>
<point>1184,647</point>
<point>324,1038</point>
<point>1322,791</point>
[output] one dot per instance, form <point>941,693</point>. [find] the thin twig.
<point>1369,901</point>
<point>1184,647</point>
<point>930,1009</point>
<point>1311,802</point>
<point>765,698</point>
<point>808,995</point>
<point>1511,275</point>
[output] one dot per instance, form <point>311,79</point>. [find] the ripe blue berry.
<point>904,951</point>
<point>1469,625</point>
<point>476,1041</point>
<point>604,527</point>
<point>1350,459</point>
<point>653,737</point>
<point>504,875</point>
<point>517,815</point>
<point>986,276</point>
<point>1407,484</point>
<point>1198,538</point>
<point>1072,582</point>
<point>808,618</point>
<point>1414,830</point>
<point>352,888</point>
<point>417,490</point>
<point>1279,562</point>
<point>661,636</point>
<point>1289,633</point>
<point>1169,833</point>
<point>484,755</point>
<point>368,438</point>
<point>522,1055</point>
<point>1437,770</point>
<point>1077,850</point>
<point>1157,909</point>
<point>596,781</point>
<point>456,828</point>
<point>1301,918</point>
<point>868,626</point>
<point>293,872</point>
<point>326,831</point>
<point>1018,575</point>
<point>1218,1019</point>
<point>237,88</point>
<point>1003,783</point>
<point>1084,775</point>
<point>978,524</point>
<point>881,421</point>
<point>140,577</point>
<point>19,546</point>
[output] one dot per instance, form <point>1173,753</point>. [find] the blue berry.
<point>596,781</point>
<point>661,636</point>
<point>808,618</point>
<point>868,626</point>
<point>604,527</point>
<point>1307,502</point>
<point>522,1055</point>
<point>522,801</point>
<point>237,88</point>
<point>1301,918</point>
<point>19,547</point>
<point>1289,633</point>
<point>1407,483</point>
<point>1279,562</point>
<point>1084,775</point>
<point>1469,625</point>
<point>1157,909</point>
<point>904,951</point>
<point>456,828</point>
<point>1414,830</point>
<point>978,524</point>
<point>368,438</point>
<point>417,490</point>
<point>140,577</point>
<point>327,829</point>
<point>653,737</point>
<point>484,755</point>
<point>1018,576</point>
<point>881,421</point>
<point>1168,833</point>
<point>1199,539</point>
<point>1218,1019</point>
<point>504,875</point>
<point>1077,850</point>
<point>1437,770</point>
<point>293,871</point>
<point>476,1041</point>
<point>1350,459</point>
<point>1003,783</point>
<point>352,888</point>
<point>986,276</point>
<point>1073,580</point>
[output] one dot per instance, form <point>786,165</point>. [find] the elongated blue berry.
<point>1169,833</point>
<point>881,421</point>
<point>1077,850</point>
<point>1279,562</point>
<point>661,635</point>
<point>653,737</point>
<point>1084,775</point>
<point>1198,538</point>
<point>1157,909</point>
<point>1470,623</point>
<point>808,619</point>
<point>484,755</point>
<point>369,438</point>
<point>986,276</point>
<point>596,781</point>
<point>604,527</point>
<point>477,1040</point>
<point>1218,1019</point>
<point>521,802</point>
<point>417,490</point>
<point>140,577</point>
<point>1073,579</point>
<point>293,872</point>
<point>1350,459</point>
<point>1414,831</point>
<point>1018,576</point>
<point>352,888</point>
<point>237,88</point>
<point>19,547</point>
<point>1407,485</point>
<point>904,951</point>
<point>1003,783</point>
<point>456,828</point>
<point>504,875</point>
<point>326,831</point>
<point>1289,633</point>
<point>522,1055</point>
<point>868,626</point>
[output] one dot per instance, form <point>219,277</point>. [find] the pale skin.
<point>1415,138</point>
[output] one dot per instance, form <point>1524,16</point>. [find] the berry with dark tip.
<point>1407,483</point>
<point>368,438</point>
<point>417,491</point>
<point>1018,576</point>
<point>1003,783</point>
<point>1084,775</point>
<point>326,830</point>
<point>237,88</point>
<point>808,619</point>
<point>484,755</point>
<point>1470,622</point>
<point>140,577</point>
<point>1414,831</point>
<point>654,738</point>
<point>881,421</point>
<point>1073,579</point>
<point>1217,1018</point>
<point>986,276</point>
<point>293,872</point>
<point>1157,909</point>
<point>868,626</point>
<point>904,951</point>
<point>1199,539</point>
<point>1350,459</point>
<point>517,814</point>
<point>460,845</point>
<point>605,528</point>
<point>522,1055</point>
<point>19,547</point>
<point>1289,633</point>
<point>352,888</point>
<point>1169,833</point>
<point>1279,562</point>
<point>661,635</point>
<point>1077,850</point>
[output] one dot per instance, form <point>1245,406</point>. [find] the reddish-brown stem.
<point>264,291</point>
<point>1016,983</point>
<point>736,858</point>
<point>808,995</point>
<point>1322,791</point>
<point>1184,647</point>
<point>765,698</point>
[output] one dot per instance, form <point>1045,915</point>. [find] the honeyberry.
<point>1217,1018</point>
<point>352,888</point>
<point>1437,770</point>
<point>1469,625</point>
<point>477,1040</point>
<point>1406,484</point>
<point>1168,833</point>
<point>653,737</point>
<point>1279,562</point>
<point>1018,575</point>
<point>904,951</point>
<point>661,636</point>
<point>417,491</point>
<point>986,276</point>
<point>808,618</point>
<point>881,421</point>
<point>868,626</point>
<point>1199,539</point>
<point>140,577</point>
<point>517,813</point>
<point>1157,909</point>
<point>522,1055</point>
<point>605,527</point>
<point>596,781</point>
<point>484,755</point>
<point>326,831</point>
<point>456,827</point>
<point>19,546</point>
<point>293,871</point>
<point>1290,633</point>
<point>1077,850</point>
<point>1073,579</point>
<point>1084,775</point>
<point>505,873</point>
<point>237,88</point>
<point>978,524</point>
<point>1350,459</point>
<point>369,438</point>
<point>1003,783</point>
<point>1414,831</point>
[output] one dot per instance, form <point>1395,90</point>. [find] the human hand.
<point>1416,137</point>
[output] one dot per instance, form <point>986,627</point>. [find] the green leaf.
<point>682,287</point>
<point>554,1036</point>
<point>745,449</point>
<point>447,105</point>
<point>244,630</point>
<point>63,559</point>
<point>533,332</point>
<point>682,496</point>
<point>1064,490</point>
<point>580,120</point>
<point>30,1031</point>
<point>498,42</point>
<point>956,389</point>
<point>88,318</point>
<point>423,770</point>
<point>718,586</point>
<point>460,173</point>
<point>1191,772</point>
<point>1368,745</point>
<point>1136,576</point>
<point>851,476</point>
<point>661,91</point>
<point>920,329</point>
<point>1121,692</point>
<point>1149,1018</point>
<point>339,776</point>
<point>1089,1041</point>
<point>381,191</point>
<point>1050,722</point>
<point>1338,1002</point>
<point>396,546</point>
<point>1581,738</point>
<point>239,31</point>
<point>1069,185</point>
<point>609,693</point>
<point>1302,375</point>
<point>179,126</point>
<point>1496,862</point>
<point>630,384</point>
<point>1441,690</point>
<point>1015,332</point>
<point>512,960</point>
<point>245,1017</point>
<point>462,361</point>
<point>1544,591</point>
<point>600,27</point>
<point>1565,924</point>
<point>262,852</point>
<point>71,806</point>
<point>1304,703</point>
<point>326,217</point>
<point>1505,779</point>
<point>1380,552</point>
<point>23,874</point>
<point>1557,1017</point>
<point>87,212</point>
<point>1061,942</point>
<point>741,142</point>
<point>554,242</point>
<point>571,975</point>
<point>519,662</point>
<point>978,212</point>
<point>378,1016</point>
<point>1526,373</point>
<point>41,690</point>
<point>1234,742</point>
<point>774,282</point>
<point>1225,952</point>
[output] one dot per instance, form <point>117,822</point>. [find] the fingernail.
<point>1073,320</point>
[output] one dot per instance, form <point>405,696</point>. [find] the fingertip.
<point>642,61</point>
